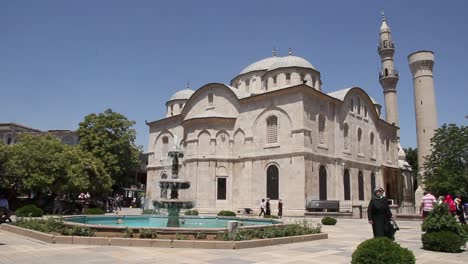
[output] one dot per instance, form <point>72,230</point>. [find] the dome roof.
<point>290,61</point>
<point>260,65</point>
<point>182,95</point>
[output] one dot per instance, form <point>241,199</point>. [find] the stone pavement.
<point>343,239</point>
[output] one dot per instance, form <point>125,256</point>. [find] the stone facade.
<point>240,135</point>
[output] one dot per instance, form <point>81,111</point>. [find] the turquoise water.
<point>161,221</point>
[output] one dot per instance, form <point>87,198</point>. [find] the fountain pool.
<point>160,222</point>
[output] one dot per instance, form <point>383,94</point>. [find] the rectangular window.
<point>221,193</point>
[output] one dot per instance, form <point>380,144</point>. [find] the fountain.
<point>174,184</point>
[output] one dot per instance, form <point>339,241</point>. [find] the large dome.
<point>260,65</point>
<point>182,95</point>
<point>273,63</point>
<point>290,61</point>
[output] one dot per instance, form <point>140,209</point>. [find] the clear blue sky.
<point>61,60</point>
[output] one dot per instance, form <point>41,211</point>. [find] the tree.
<point>43,163</point>
<point>446,169</point>
<point>110,138</point>
<point>412,158</point>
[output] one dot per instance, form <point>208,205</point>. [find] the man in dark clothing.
<point>379,216</point>
<point>268,208</point>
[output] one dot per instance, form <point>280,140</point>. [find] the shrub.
<point>150,212</point>
<point>30,210</point>
<point>382,250</point>
<point>33,224</point>
<point>128,232</point>
<point>191,212</point>
<point>94,211</point>
<point>442,241</point>
<point>148,233</point>
<point>200,235</point>
<point>328,221</point>
<point>441,220</point>
<point>180,236</point>
<point>226,213</point>
<point>78,231</point>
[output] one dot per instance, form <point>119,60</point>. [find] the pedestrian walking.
<point>379,216</point>
<point>451,205</point>
<point>262,208</point>
<point>427,204</point>
<point>460,211</point>
<point>280,208</point>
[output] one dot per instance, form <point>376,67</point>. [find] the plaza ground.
<point>343,239</point>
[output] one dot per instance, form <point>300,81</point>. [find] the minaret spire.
<point>388,75</point>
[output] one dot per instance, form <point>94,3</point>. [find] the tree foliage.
<point>412,158</point>
<point>110,138</point>
<point>43,163</point>
<point>447,166</point>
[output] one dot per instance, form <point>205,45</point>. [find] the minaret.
<point>388,76</point>
<point>421,64</point>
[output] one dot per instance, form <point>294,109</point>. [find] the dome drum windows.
<point>210,99</point>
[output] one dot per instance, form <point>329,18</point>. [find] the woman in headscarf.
<point>379,215</point>
<point>451,205</point>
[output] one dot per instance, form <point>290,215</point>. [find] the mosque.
<point>272,132</point>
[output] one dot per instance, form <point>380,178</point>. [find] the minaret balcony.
<point>388,74</point>
<point>385,45</point>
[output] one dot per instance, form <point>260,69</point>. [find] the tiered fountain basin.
<point>188,224</point>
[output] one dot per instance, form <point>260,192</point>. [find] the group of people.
<point>455,206</point>
<point>265,208</point>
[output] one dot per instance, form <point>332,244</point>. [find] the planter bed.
<point>208,243</point>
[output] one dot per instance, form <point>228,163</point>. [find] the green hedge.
<point>54,225</point>
<point>148,233</point>
<point>94,211</point>
<point>226,213</point>
<point>329,221</point>
<point>270,232</point>
<point>382,250</point>
<point>191,212</point>
<point>30,210</point>
<point>443,241</point>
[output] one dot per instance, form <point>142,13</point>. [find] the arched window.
<point>321,129</point>
<point>322,183</point>
<point>346,136</point>
<point>165,147</point>
<point>352,105</point>
<point>359,136</point>
<point>386,72</point>
<point>361,186</point>
<point>272,129</point>
<point>372,182</point>
<point>272,182</point>
<point>172,110</point>
<point>359,106</point>
<point>346,185</point>
<point>365,111</point>
<point>372,144</point>
<point>163,190</point>
<point>387,149</point>
<point>210,99</point>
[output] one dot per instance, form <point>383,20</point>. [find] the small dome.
<point>182,95</point>
<point>290,61</point>
<point>401,153</point>
<point>260,65</point>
